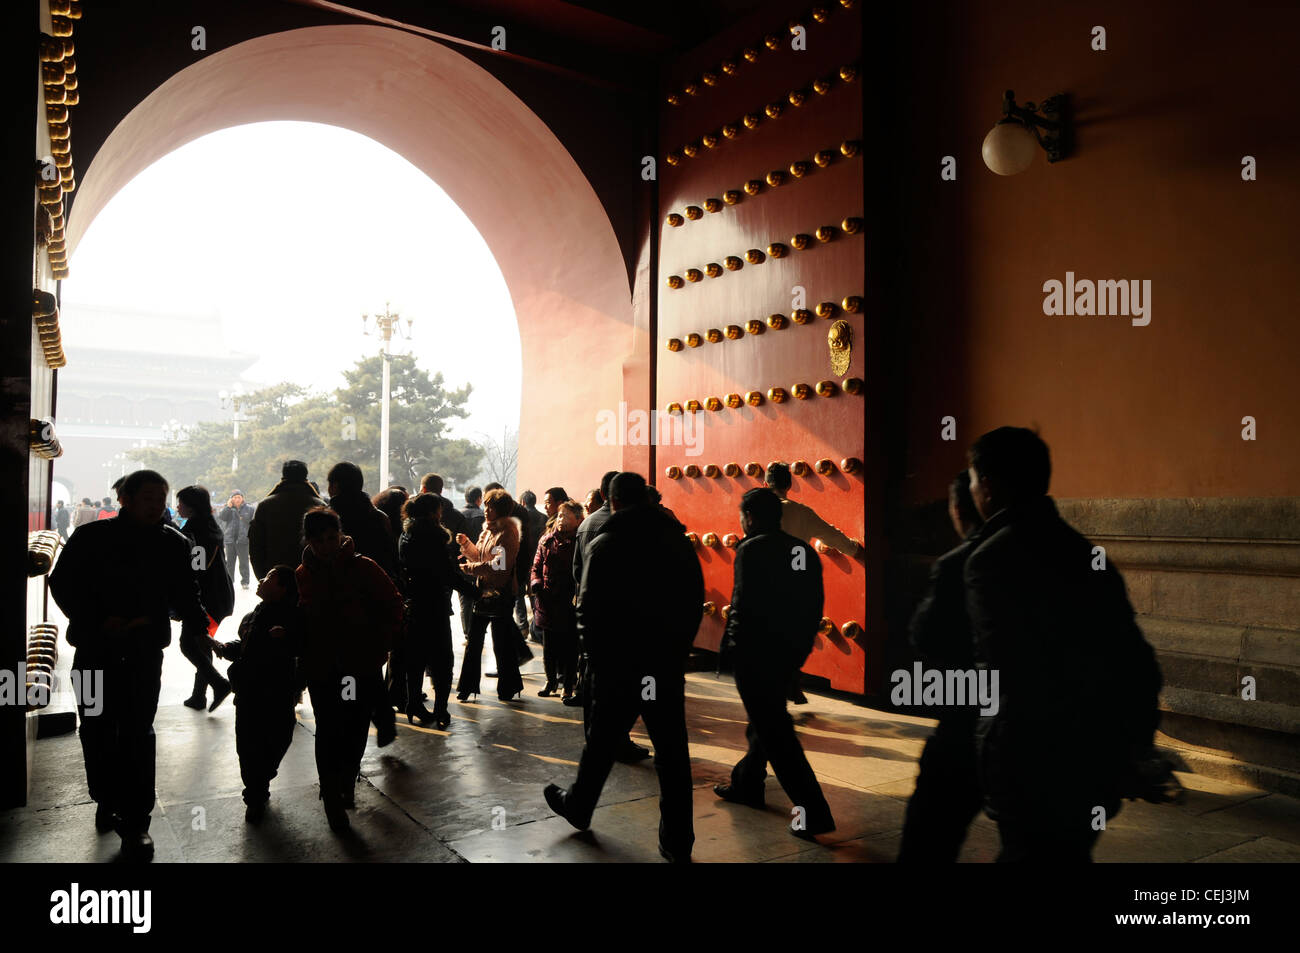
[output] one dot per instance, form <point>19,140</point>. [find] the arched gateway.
<point>491,154</point>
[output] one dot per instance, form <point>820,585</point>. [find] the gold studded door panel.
<point>760,316</point>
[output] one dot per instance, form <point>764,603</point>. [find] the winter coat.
<point>428,569</point>
<point>533,522</point>
<point>453,520</point>
<point>263,666</point>
<point>369,528</point>
<point>275,534</point>
<point>642,594</point>
<point>551,582</point>
<point>940,631</point>
<point>473,517</point>
<point>352,612</point>
<point>83,514</point>
<point>234,522</point>
<point>493,565</point>
<point>215,584</point>
<point>776,601</point>
<point>61,518</point>
<point>589,529</point>
<point>1075,673</point>
<point>118,568</point>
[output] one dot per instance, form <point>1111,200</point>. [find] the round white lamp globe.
<point>1009,148</point>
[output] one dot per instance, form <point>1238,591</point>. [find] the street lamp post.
<point>233,399</point>
<point>385,325</point>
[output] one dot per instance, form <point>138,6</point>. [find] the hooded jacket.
<point>642,594</point>
<point>275,534</point>
<point>351,609</point>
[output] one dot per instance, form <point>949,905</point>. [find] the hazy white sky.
<point>290,232</point>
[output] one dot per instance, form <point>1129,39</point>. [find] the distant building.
<point>165,375</point>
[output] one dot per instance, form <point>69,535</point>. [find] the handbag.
<point>494,602</point>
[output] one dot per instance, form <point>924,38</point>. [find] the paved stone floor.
<point>474,793</point>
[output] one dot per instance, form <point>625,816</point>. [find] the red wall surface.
<point>1154,191</point>
<point>808,430</point>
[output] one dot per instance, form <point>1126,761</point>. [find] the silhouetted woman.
<point>390,503</point>
<point>553,590</point>
<point>194,505</point>
<point>429,574</point>
<point>492,562</point>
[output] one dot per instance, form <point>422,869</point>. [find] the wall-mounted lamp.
<point>1012,143</point>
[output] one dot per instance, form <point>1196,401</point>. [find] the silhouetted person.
<point>264,677</point>
<point>947,795</point>
<point>62,516</point>
<point>472,518</point>
<point>491,560</point>
<point>216,588</point>
<point>275,532</point>
<point>429,574</point>
<point>235,518</point>
<point>451,517</point>
<point>551,581</point>
<point>802,522</point>
<point>371,533</point>
<point>390,503</point>
<point>534,523</point>
<point>372,537</point>
<point>639,606</point>
<point>1078,682</point>
<point>590,528</point>
<point>352,612</point>
<point>118,582</point>
<point>776,606</point>
<point>517,511</point>
<point>657,499</point>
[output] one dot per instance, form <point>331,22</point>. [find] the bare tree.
<point>501,459</point>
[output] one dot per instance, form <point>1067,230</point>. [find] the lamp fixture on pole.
<point>385,325</point>
<point>234,400</point>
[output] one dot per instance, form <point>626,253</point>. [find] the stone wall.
<point>1216,585</point>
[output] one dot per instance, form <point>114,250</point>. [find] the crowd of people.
<point>356,603</point>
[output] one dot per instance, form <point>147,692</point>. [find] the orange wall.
<point>1154,191</point>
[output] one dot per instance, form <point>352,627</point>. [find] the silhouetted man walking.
<point>947,795</point>
<point>588,530</point>
<point>118,581</point>
<point>1076,677</point>
<point>639,608</point>
<point>275,533</point>
<point>776,606</point>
